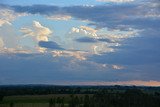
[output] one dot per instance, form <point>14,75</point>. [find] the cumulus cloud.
<point>8,15</point>
<point>103,42</point>
<point>84,30</point>
<point>9,36</point>
<point>4,22</point>
<point>39,32</point>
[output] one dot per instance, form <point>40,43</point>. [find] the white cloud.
<point>59,17</point>
<point>89,29</point>
<point>9,36</point>
<point>84,30</point>
<point>105,39</point>
<point>38,32</point>
<point>7,16</point>
<point>2,21</point>
<point>76,54</point>
<point>15,50</point>
<point>100,48</point>
<point>42,33</point>
<point>116,1</point>
<point>118,35</point>
<point>117,67</point>
<point>1,43</point>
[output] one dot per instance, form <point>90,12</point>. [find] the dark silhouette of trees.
<point>11,104</point>
<point>1,97</point>
<point>52,102</point>
<point>86,101</point>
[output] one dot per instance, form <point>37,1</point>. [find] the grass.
<point>37,98</point>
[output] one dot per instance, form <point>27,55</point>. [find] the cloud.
<point>50,45</point>
<point>10,41</point>
<point>89,29</point>
<point>111,41</point>
<point>80,55</point>
<point>117,67</point>
<point>86,40</point>
<point>116,1</point>
<point>39,32</point>
<point>84,30</point>
<point>38,9</point>
<point>18,51</point>
<point>101,16</point>
<point>9,36</point>
<point>105,40</point>
<point>47,69</point>
<point>4,22</point>
<point>7,15</point>
<point>1,43</point>
<point>59,17</point>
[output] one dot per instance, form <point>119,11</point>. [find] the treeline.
<point>46,89</point>
<point>129,98</point>
<point>49,89</point>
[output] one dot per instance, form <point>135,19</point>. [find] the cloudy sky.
<point>80,42</point>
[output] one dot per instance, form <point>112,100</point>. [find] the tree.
<point>52,102</point>
<point>76,100</point>
<point>11,104</point>
<point>86,101</point>
<point>62,102</point>
<point>1,97</point>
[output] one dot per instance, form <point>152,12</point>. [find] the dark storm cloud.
<point>50,45</point>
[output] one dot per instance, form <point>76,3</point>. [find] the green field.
<point>37,100</point>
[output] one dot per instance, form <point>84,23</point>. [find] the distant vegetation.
<point>79,96</point>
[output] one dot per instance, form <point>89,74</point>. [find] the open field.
<point>38,98</point>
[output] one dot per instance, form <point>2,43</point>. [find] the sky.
<point>80,42</point>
